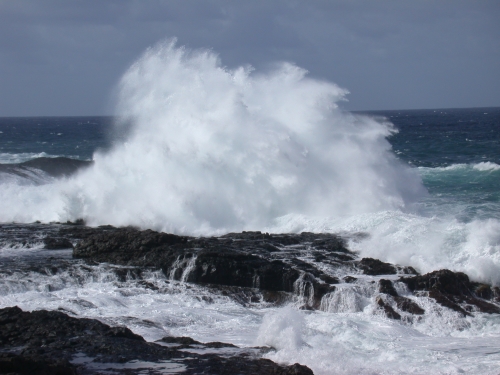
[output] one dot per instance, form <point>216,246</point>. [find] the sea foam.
<point>208,150</point>
<point>211,149</point>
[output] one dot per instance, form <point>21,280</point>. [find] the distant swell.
<point>35,170</point>
<point>486,166</point>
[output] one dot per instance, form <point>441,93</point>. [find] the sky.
<point>64,58</point>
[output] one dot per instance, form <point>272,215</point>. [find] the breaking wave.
<point>211,149</point>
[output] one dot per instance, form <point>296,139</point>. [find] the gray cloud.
<point>63,58</point>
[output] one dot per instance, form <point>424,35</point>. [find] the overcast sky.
<point>61,57</point>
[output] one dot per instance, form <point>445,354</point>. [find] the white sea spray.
<point>211,149</point>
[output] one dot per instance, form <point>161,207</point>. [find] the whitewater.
<point>204,149</point>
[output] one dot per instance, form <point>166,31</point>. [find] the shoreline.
<point>309,271</point>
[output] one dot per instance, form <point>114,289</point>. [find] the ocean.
<point>202,150</point>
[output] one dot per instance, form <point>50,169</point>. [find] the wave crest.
<point>214,149</point>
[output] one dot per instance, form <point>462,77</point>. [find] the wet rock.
<point>276,265</point>
<point>186,342</point>
<point>385,286</point>
<point>387,309</point>
<point>124,245</point>
<point>403,303</point>
<point>325,241</point>
<point>52,243</point>
<point>495,293</point>
<point>409,306</point>
<point>407,270</point>
<point>372,266</point>
<point>234,268</point>
<point>329,279</point>
<point>269,247</point>
<point>484,291</point>
<point>76,222</point>
<point>349,279</point>
<point>276,298</point>
<point>450,289</point>
<point>11,363</point>
<point>48,342</point>
<point>237,259</point>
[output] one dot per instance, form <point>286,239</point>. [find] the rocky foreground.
<point>52,343</point>
<point>312,271</point>
<point>304,267</point>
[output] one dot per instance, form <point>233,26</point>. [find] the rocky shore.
<point>52,343</point>
<point>277,267</point>
<point>311,271</point>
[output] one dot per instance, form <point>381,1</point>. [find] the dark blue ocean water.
<point>456,151</point>
<point>457,226</point>
<point>23,138</point>
<point>425,138</point>
<point>440,138</point>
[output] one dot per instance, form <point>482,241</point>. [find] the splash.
<point>211,149</point>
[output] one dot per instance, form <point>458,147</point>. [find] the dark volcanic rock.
<point>57,243</point>
<point>186,342</point>
<point>385,286</point>
<point>387,309</point>
<point>372,266</point>
<point>11,363</point>
<point>403,303</point>
<point>49,342</point>
<point>407,305</point>
<point>233,268</point>
<point>236,259</point>
<point>125,246</point>
<point>450,289</point>
<point>271,263</point>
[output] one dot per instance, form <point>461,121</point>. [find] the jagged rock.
<point>57,243</point>
<point>235,259</point>
<point>124,245</point>
<point>76,222</point>
<point>372,266</point>
<point>254,260</point>
<point>495,293</point>
<point>276,298</point>
<point>385,286</point>
<point>349,279</point>
<point>409,306</point>
<point>403,303</point>
<point>328,279</point>
<point>387,309</point>
<point>450,289</point>
<point>11,363</point>
<point>407,270</point>
<point>186,342</point>
<point>46,342</point>
<point>233,268</point>
<point>484,291</point>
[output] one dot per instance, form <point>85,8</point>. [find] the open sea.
<point>201,150</point>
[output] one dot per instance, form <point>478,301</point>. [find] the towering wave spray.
<point>211,149</point>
